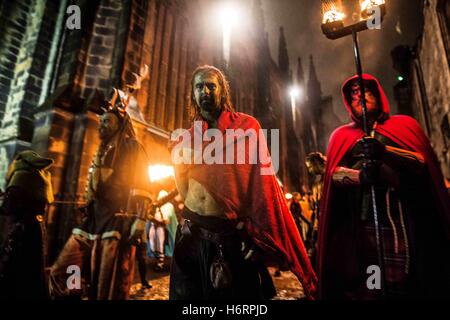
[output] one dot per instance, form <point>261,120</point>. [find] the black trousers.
<point>141,253</point>
<point>193,256</point>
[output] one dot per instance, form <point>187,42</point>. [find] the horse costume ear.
<point>127,101</point>
<point>126,94</point>
<point>112,102</point>
<point>143,74</point>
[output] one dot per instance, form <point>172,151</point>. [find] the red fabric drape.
<point>246,194</point>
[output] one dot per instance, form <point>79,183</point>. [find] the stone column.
<point>19,37</point>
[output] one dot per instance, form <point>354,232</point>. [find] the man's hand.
<point>84,211</point>
<point>137,230</point>
<point>412,161</point>
<point>370,172</point>
<point>372,149</point>
<point>346,176</point>
<point>249,250</point>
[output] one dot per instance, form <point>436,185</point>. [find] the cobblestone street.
<point>288,287</point>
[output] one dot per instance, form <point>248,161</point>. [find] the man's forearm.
<point>351,177</point>
<point>346,177</point>
<point>302,217</point>
<point>182,182</point>
<point>401,158</point>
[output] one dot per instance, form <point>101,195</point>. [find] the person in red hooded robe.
<point>411,200</point>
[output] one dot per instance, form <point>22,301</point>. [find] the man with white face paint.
<point>234,217</point>
<point>117,202</point>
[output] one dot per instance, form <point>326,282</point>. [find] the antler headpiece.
<point>126,94</point>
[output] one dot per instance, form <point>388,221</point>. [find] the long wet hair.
<point>225,99</point>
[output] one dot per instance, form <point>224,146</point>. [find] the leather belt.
<point>189,228</point>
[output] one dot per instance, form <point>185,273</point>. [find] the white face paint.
<point>207,92</point>
<point>109,125</point>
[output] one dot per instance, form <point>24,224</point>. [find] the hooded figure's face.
<point>31,170</point>
<point>372,100</point>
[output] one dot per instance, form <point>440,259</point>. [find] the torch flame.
<point>332,16</point>
<point>369,4</point>
<point>159,172</point>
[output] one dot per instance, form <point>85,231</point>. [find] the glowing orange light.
<point>369,4</point>
<point>332,16</point>
<point>159,172</point>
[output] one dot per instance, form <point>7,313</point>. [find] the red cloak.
<point>246,194</point>
<point>401,129</point>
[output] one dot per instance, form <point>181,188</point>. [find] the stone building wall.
<point>431,79</point>
<point>19,32</point>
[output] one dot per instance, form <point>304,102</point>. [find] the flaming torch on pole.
<point>339,21</point>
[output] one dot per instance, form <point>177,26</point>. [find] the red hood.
<point>384,101</point>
